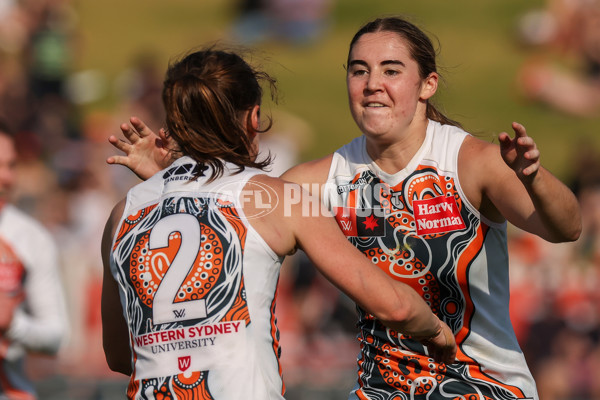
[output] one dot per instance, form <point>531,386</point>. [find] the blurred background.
<point>72,70</point>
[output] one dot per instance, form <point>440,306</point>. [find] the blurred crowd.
<point>563,71</point>
<point>65,183</point>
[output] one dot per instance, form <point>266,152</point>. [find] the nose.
<point>374,83</point>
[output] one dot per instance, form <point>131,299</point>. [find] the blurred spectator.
<point>556,309</point>
<point>293,21</point>
<point>569,30</point>
<point>139,90</point>
<point>49,50</point>
<point>32,304</point>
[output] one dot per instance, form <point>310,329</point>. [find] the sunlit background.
<point>92,64</point>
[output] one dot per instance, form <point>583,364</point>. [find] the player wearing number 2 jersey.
<point>192,255</point>
<point>198,285</point>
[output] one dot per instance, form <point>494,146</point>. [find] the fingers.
<point>520,132</point>
<point>519,129</point>
<point>140,127</point>
<point>130,133</point>
<point>532,169</point>
<point>443,347</point>
<point>119,143</point>
<point>118,160</point>
<point>505,140</point>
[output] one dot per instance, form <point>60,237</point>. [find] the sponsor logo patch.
<point>184,362</point>
<point>437,215</point>
<point>361,222</point>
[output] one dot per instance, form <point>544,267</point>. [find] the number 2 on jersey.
<point>164,308</point>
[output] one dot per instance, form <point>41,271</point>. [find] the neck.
<point>394,155</point>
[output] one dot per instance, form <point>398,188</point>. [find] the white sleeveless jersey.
<point>418,226</point>
<point>198,289</point>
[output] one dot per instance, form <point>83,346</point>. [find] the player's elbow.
<point>573,235</point>
<point>575,231</point>
<point>568,234</point>
<point>117,363</point>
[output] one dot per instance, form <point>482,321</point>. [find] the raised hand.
<point>520,153</point>
<point>145,152</point>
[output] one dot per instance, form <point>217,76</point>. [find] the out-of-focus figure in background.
<point>293,21</point>
<point>32,306</point>
<point>565,71</point>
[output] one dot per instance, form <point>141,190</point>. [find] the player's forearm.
<point>556,206</point>
<point>403,310</point>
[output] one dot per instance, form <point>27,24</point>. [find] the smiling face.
<point>386,93</point>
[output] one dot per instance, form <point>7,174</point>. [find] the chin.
<point>374,131</point>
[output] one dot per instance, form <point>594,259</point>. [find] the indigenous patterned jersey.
<point>418,226</point>
<point>198,288</point>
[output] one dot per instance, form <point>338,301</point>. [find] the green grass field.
<point>479,59</point>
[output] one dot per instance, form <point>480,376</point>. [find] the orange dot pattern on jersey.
<point>148,266</point>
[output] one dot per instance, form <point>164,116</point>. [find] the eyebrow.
<point>386,62</point>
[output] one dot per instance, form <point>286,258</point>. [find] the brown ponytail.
<point>206,95</point>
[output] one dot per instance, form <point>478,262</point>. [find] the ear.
<point>255,117</point>
<point>165,140</point>
<point>429,86</point>
<point>254,121</point>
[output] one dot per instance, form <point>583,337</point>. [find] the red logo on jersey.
<point>361,222</point>
<point>184,362</point>
<point>437,215</point>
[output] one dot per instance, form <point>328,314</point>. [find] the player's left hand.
<point>145,151</point>
<point>520,153</point>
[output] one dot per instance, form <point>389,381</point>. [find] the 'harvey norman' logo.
<point>437,215</point>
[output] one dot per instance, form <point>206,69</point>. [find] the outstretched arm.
<point>510,182</point>
<point>295,222</point>
<point>146,153</point>
<point>394,303</point>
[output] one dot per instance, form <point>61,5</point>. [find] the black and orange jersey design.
<point>438,244</point>
<point>180,257</point>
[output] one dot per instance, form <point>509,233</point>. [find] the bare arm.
<point>115,333</point>
<point>397,305</point>
<point>509,182</point>
<point>310,175</point>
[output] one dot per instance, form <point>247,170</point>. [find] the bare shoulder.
<point>479,162</point>
<point>112,224</point>
<point>117,211</point>
<point>267,209</point>
<point>314,171</point>
<point>475,149</point>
